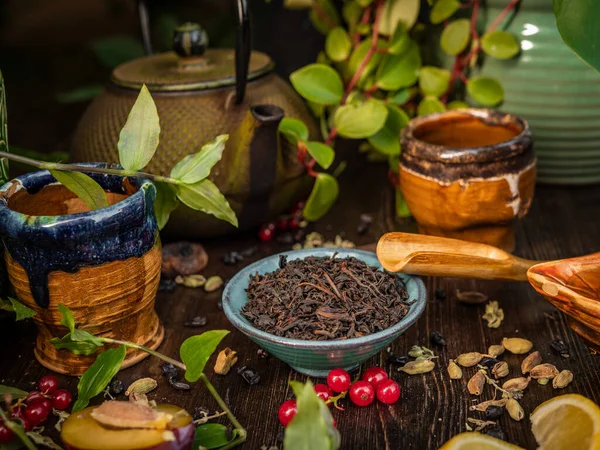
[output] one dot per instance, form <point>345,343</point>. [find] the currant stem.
<point>502,15</point>
<point>133,345</point>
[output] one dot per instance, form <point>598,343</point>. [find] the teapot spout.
<point>267,114</point>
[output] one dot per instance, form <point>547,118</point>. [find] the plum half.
<point>82,432</point>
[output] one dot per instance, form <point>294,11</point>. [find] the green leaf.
<point>75,347</point>
<point>83,186</point>
<point>322,197</point>
<point>430,105</point>
<point>115,50</point>
<point>399,71</point>
<point>13,391</point>
<point>197,350</point>
<point>165,203</point>
<point>197,166</point>
<point>4,175</point>
<point>399,97</point>
<point>322,58</point>
<point>66,317</point>
<point>358,121</point>
<point>456,104</point>
<point>433,81</point>
<point>357,57</point>
<point>80,94</point>
<point>455,37</point>
<point>99,374</point>
<point>138,139</point>
<point>338,44</point>
<point>500,44</point>
<point>577,22</point>
<point>387,140</point>
<point>79,342</point>
<point>318,83</point>
<point>396,12</point>
<point>312,426</point>
<point>323,154</point>
<point>42,440</point>
<point>327,16</point>
<point>211,435</point>
<point>205,196</point>
<point>401,206</point>
<point>400,41</point>
<point>442,10</point>
<point>15,425</point>
<point>486,91</point>
<point>293,129</point>
<point>22,311</point>
<point>351,12</point>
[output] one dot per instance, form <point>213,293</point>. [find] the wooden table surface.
<point>562,222</point>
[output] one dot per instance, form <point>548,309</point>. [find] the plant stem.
<point>502,15</point>
<point>323,16</point>
<point>17,430</point>
<point>88,169</point>
<point>474,21</point>
<point>145,349</point>
<point>332,134</point>
<point>363,20</point>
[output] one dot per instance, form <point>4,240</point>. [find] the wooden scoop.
<point>572,285</point>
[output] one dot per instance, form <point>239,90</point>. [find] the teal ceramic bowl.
<point>317,358</point>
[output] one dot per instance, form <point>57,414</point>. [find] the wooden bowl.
<point>468,174</point>
<point>104,265</point>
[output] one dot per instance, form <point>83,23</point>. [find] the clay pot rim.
<point>104,221</point>
<point>455,155</point>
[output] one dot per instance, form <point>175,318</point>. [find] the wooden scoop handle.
<point>419,254</point>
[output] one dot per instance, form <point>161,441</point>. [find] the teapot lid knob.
<point>190,40</point>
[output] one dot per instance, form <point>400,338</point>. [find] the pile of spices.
<point>316,240</point>
<point>322,298</point>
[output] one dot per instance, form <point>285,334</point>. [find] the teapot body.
<point>190,119</point>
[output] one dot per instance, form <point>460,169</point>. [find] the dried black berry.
<point>262,353</point>
<point>488,363</point>
<point>166,285</point>
<point>200,412</point>
<point>362,228</point>
<point>196,322</point>
<point>495,431</point>
<point>231,258</point>
<point>170,371</point>
<point>493,412</point>
<point>282,261</point>
<point>436,338</point>
<point>560,348</point>
<point>250,251</point>
<point>220,305</point>
<point>397,360</point>
<point>440,294</point>
<point>116,387</point>
<point>249,375</point>
<point>299,236</point>
<point>285,238</point>
<point>178,385</point>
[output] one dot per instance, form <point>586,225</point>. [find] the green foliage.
<point>456,104</point>
<point>338,44</point>
<point>455,37</point>
<point>211,435</point>
<point>387,139</point>
<point>205,196</point>
<point>396,12</point>
<point>358,56</point>
<point>401,206</point>
<point>358,121</point>
<point>293,129</point>
<point>500,44</point>
<point>196,351</point>
<point>18,431</point>
<point>22,312</point>
<point>400,42</point>
<point>90,192</point>
<point>115,50</point>
<point>442,10</point>
<point>322,197</point>
<point>433,81</point>
<point>577,22</point>
<point>430,105</point>
<point>399,71</point>
<point>165,203</point>
<point>80,94</point>
<point>79,342</point>
<point>318,83</point>
<point>312,426</point>
<point>12,391</point>
<point>486,91</point>
<point>197,166</point>
<point>327,17</point>
<point>97,377</point>
<point>399,97</point>
<point>323,154</point>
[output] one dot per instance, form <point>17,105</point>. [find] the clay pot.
<point>468,174</point>
<point>104,265</point>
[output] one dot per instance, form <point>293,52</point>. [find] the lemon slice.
<point>477,441</point>
<point>567,422</point>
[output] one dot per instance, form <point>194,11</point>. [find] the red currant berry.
<point>36,414</point>
<point>374,376</point>
<point>293,223</point>
<point>35,397</point>
<point>388,392</point>
<point>282,223</point>
<point>362,393</point>
<point>287,411</point>
<point>61,399</point>
<point>266,233</point>
<point>6,435</point>
<point>299,206</point>
<point>323,392</point>
<point>48,384</point>
<point>338,380</point>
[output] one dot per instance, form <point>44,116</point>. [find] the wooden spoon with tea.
<point>572,285</point>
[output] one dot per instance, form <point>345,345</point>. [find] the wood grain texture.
<point>562,223</point>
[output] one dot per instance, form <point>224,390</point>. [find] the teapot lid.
<point>189,67</point>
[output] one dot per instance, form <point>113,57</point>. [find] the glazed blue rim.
<point>104,218</point>
<point>414,312</point>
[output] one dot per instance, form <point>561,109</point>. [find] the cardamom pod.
<point>469,359</point>
<point>454,370</point>
<point>496,350</point>
<point>225,361</point>
<point>471,297</point>
<point>141,386</point>
<point>562,379</point>
<point>500,369</point>
<point>543,381</point>
<point>213,283</point>
<point>191,281</point>
<point>516,384</point>
<point>476,383</point>
<point>421,352</point>
<point>517,346</point>
<point>544,371</point>
<point>515,410</point>
<point>532,360</point>
<point>484,405</point>
<point>493,314</point>
<point>417,367</point>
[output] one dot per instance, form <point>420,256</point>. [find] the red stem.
<point>456,68</point>
<point>502,15</point>
<point>363,20</point>
<point>323,16</point>
<point>332,134</point>
<point>474,19</point>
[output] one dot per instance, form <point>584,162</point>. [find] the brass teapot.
<point>201,93</point>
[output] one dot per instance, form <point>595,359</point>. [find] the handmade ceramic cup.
<point>468,174</point>
<point>104,265</point>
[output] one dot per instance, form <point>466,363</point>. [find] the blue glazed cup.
<point>317,358</point>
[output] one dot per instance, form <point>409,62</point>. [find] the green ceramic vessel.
<point>317,358</point>
<point>551,88</point>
